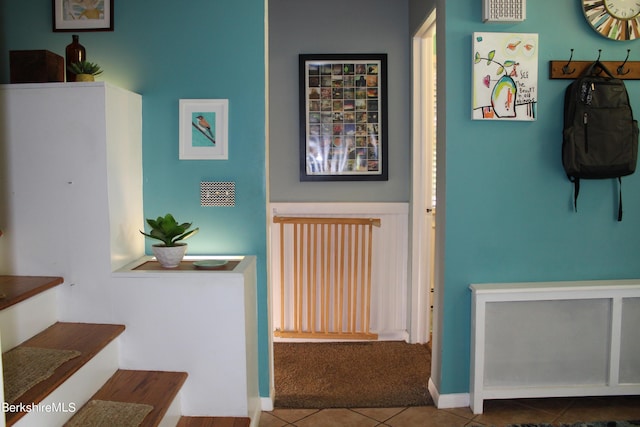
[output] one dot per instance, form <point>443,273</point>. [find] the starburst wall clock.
<point>614,19</point>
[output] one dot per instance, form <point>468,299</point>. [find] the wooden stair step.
<point>14,289</point>
<point>155,388</point>
<point>214,422</point>
<point>87,338</point>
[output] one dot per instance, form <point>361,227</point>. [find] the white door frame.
<point>422,232</point>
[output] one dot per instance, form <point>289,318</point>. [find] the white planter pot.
<point>169,256</point>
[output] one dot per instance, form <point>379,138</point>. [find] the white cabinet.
<point>554,339</point>
<point>71,184</point>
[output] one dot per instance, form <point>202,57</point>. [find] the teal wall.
<point>167,50</point>
<point>508,210</point>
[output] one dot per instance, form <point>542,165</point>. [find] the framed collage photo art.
<point>343,117</point>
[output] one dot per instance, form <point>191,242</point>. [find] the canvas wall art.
<point>505,76</point>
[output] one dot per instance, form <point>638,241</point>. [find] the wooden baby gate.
<point>325,277</point>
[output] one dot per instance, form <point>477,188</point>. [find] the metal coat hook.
<point>599,64</point>
<point>620,70</point>
<point>565,69</point>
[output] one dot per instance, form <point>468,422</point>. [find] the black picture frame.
<point>74,17</point>
<point>343,117</point>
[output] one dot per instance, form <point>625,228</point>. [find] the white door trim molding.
<point>421,234</point>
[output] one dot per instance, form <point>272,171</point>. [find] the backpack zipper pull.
<point>590,89</point>
<point>585,120</point>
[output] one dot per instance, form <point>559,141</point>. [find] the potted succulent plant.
<point>85,71</point>
<point>170,252</point>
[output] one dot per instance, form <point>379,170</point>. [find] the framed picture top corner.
<point>82,15</point>
<point>343,117</point>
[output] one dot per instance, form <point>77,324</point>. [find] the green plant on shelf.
<point>168,230</point>
<point>85,67</point>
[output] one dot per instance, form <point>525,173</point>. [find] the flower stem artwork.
<point>505,76</point>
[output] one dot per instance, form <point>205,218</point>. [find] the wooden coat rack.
<point>625,70</point>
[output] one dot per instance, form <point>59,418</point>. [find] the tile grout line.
<point>290,423</point>
<point>564,411</point>
<point>378,421</point>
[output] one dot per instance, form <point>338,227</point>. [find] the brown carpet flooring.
<point>379,374</point>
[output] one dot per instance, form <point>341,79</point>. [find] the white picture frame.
<point>203,129</point>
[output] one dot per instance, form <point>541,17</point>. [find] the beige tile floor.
<point>497,413</point>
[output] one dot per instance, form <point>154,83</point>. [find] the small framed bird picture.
<point>203,129</point>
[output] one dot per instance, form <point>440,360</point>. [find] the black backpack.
<point>600,135</point>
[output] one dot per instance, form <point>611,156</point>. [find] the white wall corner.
<point>445,401</point>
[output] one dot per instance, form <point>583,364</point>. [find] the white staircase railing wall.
<point>389,274</point>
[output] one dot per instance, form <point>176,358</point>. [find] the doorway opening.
<point>416,317</point>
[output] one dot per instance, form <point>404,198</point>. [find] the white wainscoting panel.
<point>389,295</point>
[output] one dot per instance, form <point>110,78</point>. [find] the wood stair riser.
<point>28,314</point>
<point>174,412</point>
<point>27,318</point>
<point>77,389</point>
<point>75,380</point>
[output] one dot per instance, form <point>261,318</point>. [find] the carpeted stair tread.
<point>214,422</point>
<point>155,388</point>
<point>86,338</point>
<point>24,367</point>
<point>107,413</point>
<point>14,289</point>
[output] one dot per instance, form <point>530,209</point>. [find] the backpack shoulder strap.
<point>595,68</point>
<point>619,199</point>
<point>576,191</point>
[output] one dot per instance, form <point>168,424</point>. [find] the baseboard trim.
<point>445,401</point>
<point>255,417</point>
<point>266,403</point>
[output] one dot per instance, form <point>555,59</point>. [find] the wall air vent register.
<point>504,11</point>
<point>218,194</point>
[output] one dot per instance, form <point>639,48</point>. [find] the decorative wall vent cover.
<point>504,11</point>
<point>218,194</point>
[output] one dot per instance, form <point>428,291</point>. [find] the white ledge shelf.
<point>553,290</point>
<point>147,266</point>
